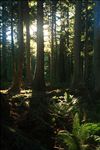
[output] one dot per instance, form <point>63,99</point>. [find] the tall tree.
<point>17,81</point>
<point>77,45</point>
<point>87,45</point>
<point>28,57</point>
<point>97,47</point>
<point>61,63</point>
<point>38,81</point>
<point>62,53</point>
<point>4,42</point>
<point>86,75</point>
<point>12,39</point>
<point>53,42</point>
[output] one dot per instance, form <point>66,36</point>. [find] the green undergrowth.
<point>83,136</point>
<point>70,117</point>
<point>58,116</point>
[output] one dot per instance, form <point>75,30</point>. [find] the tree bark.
<point>97,47</point>
<point>53,58</point>
<point>28,59</point>
<point>17,81</point>
<point>4,40</point>
<point>38,81</point>
<point>77,75</point>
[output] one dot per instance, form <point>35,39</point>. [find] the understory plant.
<point>83,136</point>
<point>63,106</point>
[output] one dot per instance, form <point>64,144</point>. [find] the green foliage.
<point>67,139</point>
<point>76,125</point>
<point>63,105</point>
<point>68,97</point>
<point>82,135</point>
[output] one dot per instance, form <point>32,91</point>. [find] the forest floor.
<point>61,105</point>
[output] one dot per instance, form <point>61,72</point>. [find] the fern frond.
<point>68,140</point>
<point>76,125</point>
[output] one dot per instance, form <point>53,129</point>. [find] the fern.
<point>67,139</point>
<point>68,97</point>
<point>80,135</point>
<point>76,125</point>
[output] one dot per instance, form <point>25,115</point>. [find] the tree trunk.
<point>38,81</point>
<point>86,71</point>
<point>53,66</point>
<point>4,49</point>
<point>97,47</point>
<point>17,81</point>
<point>77,75</point>
<point>61,70</point>
<point>12,42</point>
<point>28,61</point>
